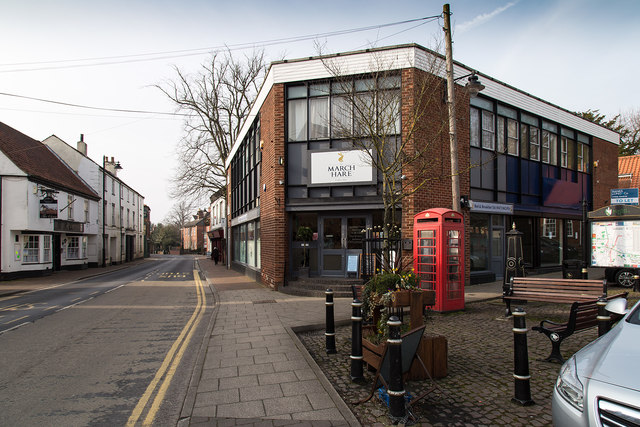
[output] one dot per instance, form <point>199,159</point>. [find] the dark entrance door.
<point>340,237</point>
<point>57,252</point>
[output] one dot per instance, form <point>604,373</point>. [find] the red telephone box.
<point>438,256</point>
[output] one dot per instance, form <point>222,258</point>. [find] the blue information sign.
<point>624,196</point>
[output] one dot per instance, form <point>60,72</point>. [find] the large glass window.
<point>512,137</point>
<point>246,243</point>
<point>551,241</point>
<point>583,157</point>
<point>31,249</point>
<point>479,239</point>
<point>245,173</point>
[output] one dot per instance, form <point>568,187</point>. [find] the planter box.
<point>433,351</point>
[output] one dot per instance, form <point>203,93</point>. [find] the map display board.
<point>615,243</point>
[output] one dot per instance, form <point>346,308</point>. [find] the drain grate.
<point>265,301</point>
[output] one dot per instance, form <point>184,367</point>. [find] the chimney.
<point>82,146</point>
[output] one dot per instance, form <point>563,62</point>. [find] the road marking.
<point>51,308</point>
<point>15,320</point>
<point>76,299</point>
<point>170,362</point>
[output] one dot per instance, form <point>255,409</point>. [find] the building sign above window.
<point>624,196</point>
<point>344,167</point>
<point>488,207</point>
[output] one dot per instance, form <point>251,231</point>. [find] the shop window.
<point>73,247</point>
<point>31,249</point>
<point>341,117</point>
<point>46,248</point>
<point>501,135</point>
<point>479,240</point>
<point>551,242</point>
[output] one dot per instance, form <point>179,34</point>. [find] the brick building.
<point>521,160</point>
<point>193,232</point>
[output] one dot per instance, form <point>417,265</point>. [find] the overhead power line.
<point>154,56</point>
<point>68,104</point>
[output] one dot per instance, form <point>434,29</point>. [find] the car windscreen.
<point>634,317</point>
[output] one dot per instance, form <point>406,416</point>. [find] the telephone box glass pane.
<point>427,233</point>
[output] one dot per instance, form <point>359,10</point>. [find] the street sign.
<point>624,196</point>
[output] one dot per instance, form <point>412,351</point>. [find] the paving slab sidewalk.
<point>256,371</point>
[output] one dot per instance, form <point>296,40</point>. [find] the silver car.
<point>600,384</point>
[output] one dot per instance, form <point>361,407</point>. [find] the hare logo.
<point>340,157</point>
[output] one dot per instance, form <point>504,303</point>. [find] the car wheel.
<point>625,279</point>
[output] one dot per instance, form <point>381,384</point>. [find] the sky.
<point>577,54</point>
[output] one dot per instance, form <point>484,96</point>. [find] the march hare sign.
<point>342,167</point>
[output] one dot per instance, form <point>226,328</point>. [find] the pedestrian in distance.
<point>215,254</point>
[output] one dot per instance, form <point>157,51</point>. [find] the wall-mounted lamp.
<point>281,161</point>
<point>261,144</point>
<point>403,177</point>
<point>281,182</point>
<point>464,202</point>
<point>596,163</point>
<point>473,85</point>
<point>264,187</point>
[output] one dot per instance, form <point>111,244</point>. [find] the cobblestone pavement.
<point>479,385</point>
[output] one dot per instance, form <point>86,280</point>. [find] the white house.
<point>120,215</point>
<point>48,213</point>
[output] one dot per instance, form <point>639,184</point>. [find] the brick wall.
<point>605,175</point>
<point>273,219</point>
<point>425,94</point>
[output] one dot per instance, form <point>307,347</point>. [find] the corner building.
<point>521,160</point>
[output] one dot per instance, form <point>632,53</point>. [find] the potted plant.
<point>304,234</point>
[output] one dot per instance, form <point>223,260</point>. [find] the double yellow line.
<point>163,377</point>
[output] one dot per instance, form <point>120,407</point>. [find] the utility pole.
<point>453,142</point>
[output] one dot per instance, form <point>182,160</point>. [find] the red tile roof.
<point>40,163</point>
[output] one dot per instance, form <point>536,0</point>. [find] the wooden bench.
<point>551,290</point>
<point>583,315</point>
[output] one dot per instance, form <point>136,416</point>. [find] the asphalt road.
<point>107,350</point>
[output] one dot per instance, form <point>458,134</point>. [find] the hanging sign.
<point>343,167</point>
<point>48,207</point>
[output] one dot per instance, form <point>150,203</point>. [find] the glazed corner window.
<point>488,130</point>
<point>31,249</point>
<point>475,127</point>
<point>319,118</point>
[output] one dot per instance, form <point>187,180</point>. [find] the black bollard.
<point>585,273</point>
<point>636,283</point>
<point>330,333</point>
<point>356,341</point>
<point>396,391</point>
<point>604,320</point>
<point>521,360</point>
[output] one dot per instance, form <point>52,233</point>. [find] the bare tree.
<point>180,213</point>
<point>218,100</point>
